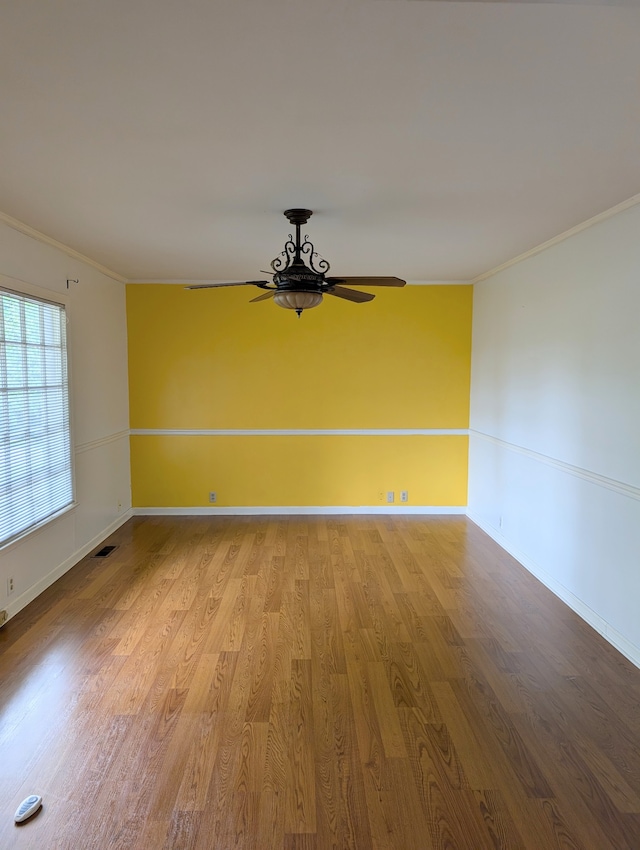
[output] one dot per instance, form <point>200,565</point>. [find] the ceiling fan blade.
<point>231,283</point>
<point>351,294</point>
<point>368,281</point>
<point>264,296</point>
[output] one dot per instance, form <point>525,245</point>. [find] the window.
<point>35,442</point>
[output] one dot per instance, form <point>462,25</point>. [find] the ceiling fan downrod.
<point>298,217</point>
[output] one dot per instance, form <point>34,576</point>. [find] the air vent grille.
<point>105,552</point>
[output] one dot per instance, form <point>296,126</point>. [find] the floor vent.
<point>105,552</point>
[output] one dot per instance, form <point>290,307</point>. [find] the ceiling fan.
<point>299,285</point>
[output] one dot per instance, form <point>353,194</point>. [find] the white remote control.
<point>27,808</point>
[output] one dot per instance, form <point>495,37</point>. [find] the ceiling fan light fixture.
<point>298,300</point>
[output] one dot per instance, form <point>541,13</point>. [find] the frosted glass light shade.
<point>298,300</point>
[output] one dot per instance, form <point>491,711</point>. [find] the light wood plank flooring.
<point>309,683</point>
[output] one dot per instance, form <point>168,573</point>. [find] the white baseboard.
<point>293,510</point>
<point>46,581</point>
<point>611,635</point>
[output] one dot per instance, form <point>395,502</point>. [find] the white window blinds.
<point>35,461</point>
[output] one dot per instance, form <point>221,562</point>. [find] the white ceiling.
<point>433,140</point>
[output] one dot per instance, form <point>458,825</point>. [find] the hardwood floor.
<point>308,683</point>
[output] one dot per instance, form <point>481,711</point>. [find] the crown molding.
<point>439,282</point>
<point>21,227</point>
<point>567,234</point>
<point>187,282</point>
<point>158,281</point>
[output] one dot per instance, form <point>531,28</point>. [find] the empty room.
<point>319,405</point>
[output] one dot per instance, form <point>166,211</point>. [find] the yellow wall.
<point>210,360</point>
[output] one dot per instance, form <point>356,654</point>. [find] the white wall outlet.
<point>404,495</point>
<point>10,586</point>
<point>391,496</point>
<point>213,497</point>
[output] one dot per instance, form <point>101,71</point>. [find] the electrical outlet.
<point>391,496</point>
<point>213,497</point>
<point>404,495</point>
<point>10,586</point>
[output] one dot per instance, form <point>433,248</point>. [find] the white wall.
<point>554,471</point>
<point>100,414</point>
